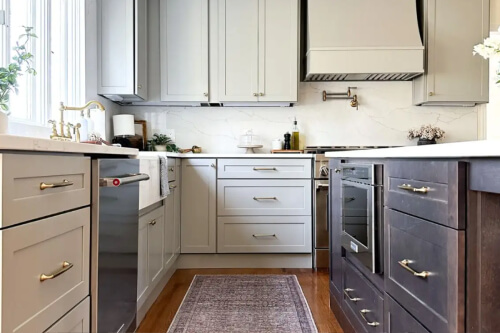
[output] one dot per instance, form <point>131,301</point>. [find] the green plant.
<point>163,140</point>
<point>9,74</point>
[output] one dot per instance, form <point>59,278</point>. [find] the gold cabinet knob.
<point>431,93</point>
<point>205,94</point>
<point>139,86</point>
<point>255,94</point>
<point>261,94</point>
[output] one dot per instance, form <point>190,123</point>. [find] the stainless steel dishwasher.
<point>115,218</point>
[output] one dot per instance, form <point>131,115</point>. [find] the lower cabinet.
<point>150,256</point>
<point>398,320</point>
<point>169,246</point>
<point>75,321</point>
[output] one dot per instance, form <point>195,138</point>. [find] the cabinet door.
<point>142,262</point>
<point>177,220</point>
<point>169,229</point>
<point>453,74</point>
<point>278,50</point>
<point>141,48</point>
<point>155,247</point>
<point>198,209</point>
<point>238,50</point>
<point>184,50</point>
<point>335,223</point>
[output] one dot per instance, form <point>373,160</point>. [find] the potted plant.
<point>22,61</point>
<point>427,134</point>
<point>161,142</point>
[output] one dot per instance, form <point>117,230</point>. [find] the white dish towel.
<point>164,187</point>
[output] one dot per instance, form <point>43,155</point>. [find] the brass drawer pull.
<point>66,266</point>
<point>405,264</point>
<point>152,222</point>
<point>352,299</point>
<point>264,169</point>
<point>64,183</point>
<point>172,187</point>
<point>171,169</point>
<point>408,187</point>
<point>369,323</point>
<point>264,198</point>
<point>264,235</point>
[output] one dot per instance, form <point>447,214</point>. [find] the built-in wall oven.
<point>362,211</point>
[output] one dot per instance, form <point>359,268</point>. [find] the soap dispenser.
<point>84,127</point>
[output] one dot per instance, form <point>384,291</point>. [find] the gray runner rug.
<point>244,304</point>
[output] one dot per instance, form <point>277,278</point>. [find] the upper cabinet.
<point>184,50</point>
<point>122,49</point>
<point>453,75</point>
<point>258,50</point>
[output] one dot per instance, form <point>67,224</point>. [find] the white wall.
<point>384,116</point>
<point>494,14</point>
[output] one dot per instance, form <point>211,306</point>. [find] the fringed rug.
<point>244,304</point>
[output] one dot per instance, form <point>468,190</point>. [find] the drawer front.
<point>264,168</point>
<point>398,320</point>
<point>362,300</point>
<point>42,247</point>
<point>264,197</point>
<point>172,166</point>
<point>425,270</point>
<point>75,321</point>
<point>435,191</point>
<point>264,234</point>
<point>24,199</point>
<point>149,190</point>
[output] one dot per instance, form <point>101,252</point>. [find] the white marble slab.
<point>470,149</point>
<point>22,143</point>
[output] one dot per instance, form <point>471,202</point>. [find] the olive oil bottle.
<point>295,136</point>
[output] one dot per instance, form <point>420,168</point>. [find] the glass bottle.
<point>295,145</point>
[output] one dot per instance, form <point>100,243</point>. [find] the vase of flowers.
<point>426,134</point>
<point>490,49</point>
<point>21,62</point>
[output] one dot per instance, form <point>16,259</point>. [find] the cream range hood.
<point>363,40</point>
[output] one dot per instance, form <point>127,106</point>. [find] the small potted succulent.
<point>21,62</point>
<point>427,134</point>
<point>161,142</point>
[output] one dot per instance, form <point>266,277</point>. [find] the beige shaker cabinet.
<point>75,321</point>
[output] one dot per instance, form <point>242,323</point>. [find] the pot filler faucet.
<point>76,128</point>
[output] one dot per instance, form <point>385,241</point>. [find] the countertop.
<point>234,155</point>
<point>11,142</point>
<point>469,149</point>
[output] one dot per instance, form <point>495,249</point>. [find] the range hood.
<point>363,40</point>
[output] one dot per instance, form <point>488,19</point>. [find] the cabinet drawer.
<point>425,270</point>
<point>264,168</point>
<point>264,234</point>
<point>149,190</point>
<point>75,321</point>
<point>264,197</point>
<point>172,167</point>
<point>24,199</point>
<point>362,301</point>
<point>397,320</point>
<point>433,190</point>
<point>42,247</point>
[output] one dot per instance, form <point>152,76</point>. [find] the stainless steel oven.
<point>362,205</point>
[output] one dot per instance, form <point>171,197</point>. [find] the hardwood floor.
<point>314,285</point>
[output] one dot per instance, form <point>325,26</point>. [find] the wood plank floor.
<point>313,283</point>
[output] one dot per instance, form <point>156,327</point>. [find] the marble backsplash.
<point>384,116</point>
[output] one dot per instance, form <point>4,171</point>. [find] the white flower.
<point>489,49</point>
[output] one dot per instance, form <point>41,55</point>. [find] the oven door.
<point>358,222</point>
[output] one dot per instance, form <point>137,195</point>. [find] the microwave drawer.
<point>362,301</point>
<point>264,168</point>
<point>432,190</point>
<point>45,270</point>
<point>264,234</point>
<point>425,270</point>
<point>264,197</point>
<point>35,186</point>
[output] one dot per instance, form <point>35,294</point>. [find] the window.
<point>59,56</point>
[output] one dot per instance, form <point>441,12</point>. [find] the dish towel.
<point>164,187</point>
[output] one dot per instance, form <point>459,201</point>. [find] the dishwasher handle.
<point>123,180</point>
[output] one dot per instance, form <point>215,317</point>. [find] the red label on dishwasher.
<point>116,182</point>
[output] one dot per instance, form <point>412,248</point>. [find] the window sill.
<point>22,127</point>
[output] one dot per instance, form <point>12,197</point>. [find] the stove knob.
<point>324,171</point>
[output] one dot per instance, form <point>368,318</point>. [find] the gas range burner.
<point>324,149</point>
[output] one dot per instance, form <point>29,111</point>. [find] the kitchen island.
<point>435,227</point>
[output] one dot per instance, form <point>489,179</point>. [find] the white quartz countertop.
<point>11,142</point>
<point>470,149</point>
<point>220,155</point>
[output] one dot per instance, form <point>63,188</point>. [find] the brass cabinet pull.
<point>255,94</point>
<point>337,170</point>
<point>171,169</point>
<point>172,187</point>
<point>152,222</point>
<point>205,94</point>
<point>66,266</point>
<point>264,235</point>
<point>264,198</point>
<point>369,323</point>
<point>352,299</point>
<point>405,264</point>
<point>264,169</point>
<point>408,187</point>
<point>261,94</point>
<point>64,183</point>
